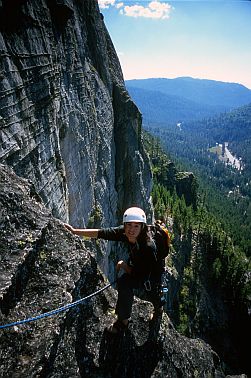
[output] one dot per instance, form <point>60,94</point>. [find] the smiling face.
<point>132,231</point>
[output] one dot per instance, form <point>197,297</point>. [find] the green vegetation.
<point>211,227</point>
<point>213,260</point>
<point>228,190</point>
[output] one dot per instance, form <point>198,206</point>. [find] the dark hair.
<point>145,236</point>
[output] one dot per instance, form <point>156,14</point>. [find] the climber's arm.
<point>87,232</point>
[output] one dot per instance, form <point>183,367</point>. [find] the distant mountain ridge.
<point>160,109</point>
<point>203,91</point>
<point>169,101</point>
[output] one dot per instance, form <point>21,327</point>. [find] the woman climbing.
<point>141,272</point>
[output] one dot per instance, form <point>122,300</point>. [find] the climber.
<point>141,274</point>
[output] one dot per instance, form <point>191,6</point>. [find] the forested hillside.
<point>214,237</point>
<point>227,190</point>
<point>159,107</point>
<point>214,294</point>
<point>233,127</point>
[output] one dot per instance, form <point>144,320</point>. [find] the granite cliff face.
<point>67,122</point>
<point>44,267</point>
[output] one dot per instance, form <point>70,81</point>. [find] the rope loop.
<point>56,311</point>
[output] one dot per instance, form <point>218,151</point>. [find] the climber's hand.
<point>69,227</point>
<point>122,265</point>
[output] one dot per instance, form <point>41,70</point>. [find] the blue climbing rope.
<point>57,310</point>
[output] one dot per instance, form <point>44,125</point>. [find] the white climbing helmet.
<point>134,214</point>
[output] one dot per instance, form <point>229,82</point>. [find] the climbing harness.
<point>56,311</point>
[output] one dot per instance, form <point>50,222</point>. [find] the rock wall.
<point>44,267</point>
<point>67,122</point>
<point>69,127</point>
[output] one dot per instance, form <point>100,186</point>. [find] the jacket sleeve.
<point>112,233</point>
<point>144,264</point>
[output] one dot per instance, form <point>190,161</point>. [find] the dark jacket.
<point>142,255</point>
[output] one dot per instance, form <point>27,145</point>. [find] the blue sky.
<point>202,39</point>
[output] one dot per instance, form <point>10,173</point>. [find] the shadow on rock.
<point>121,356</point>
